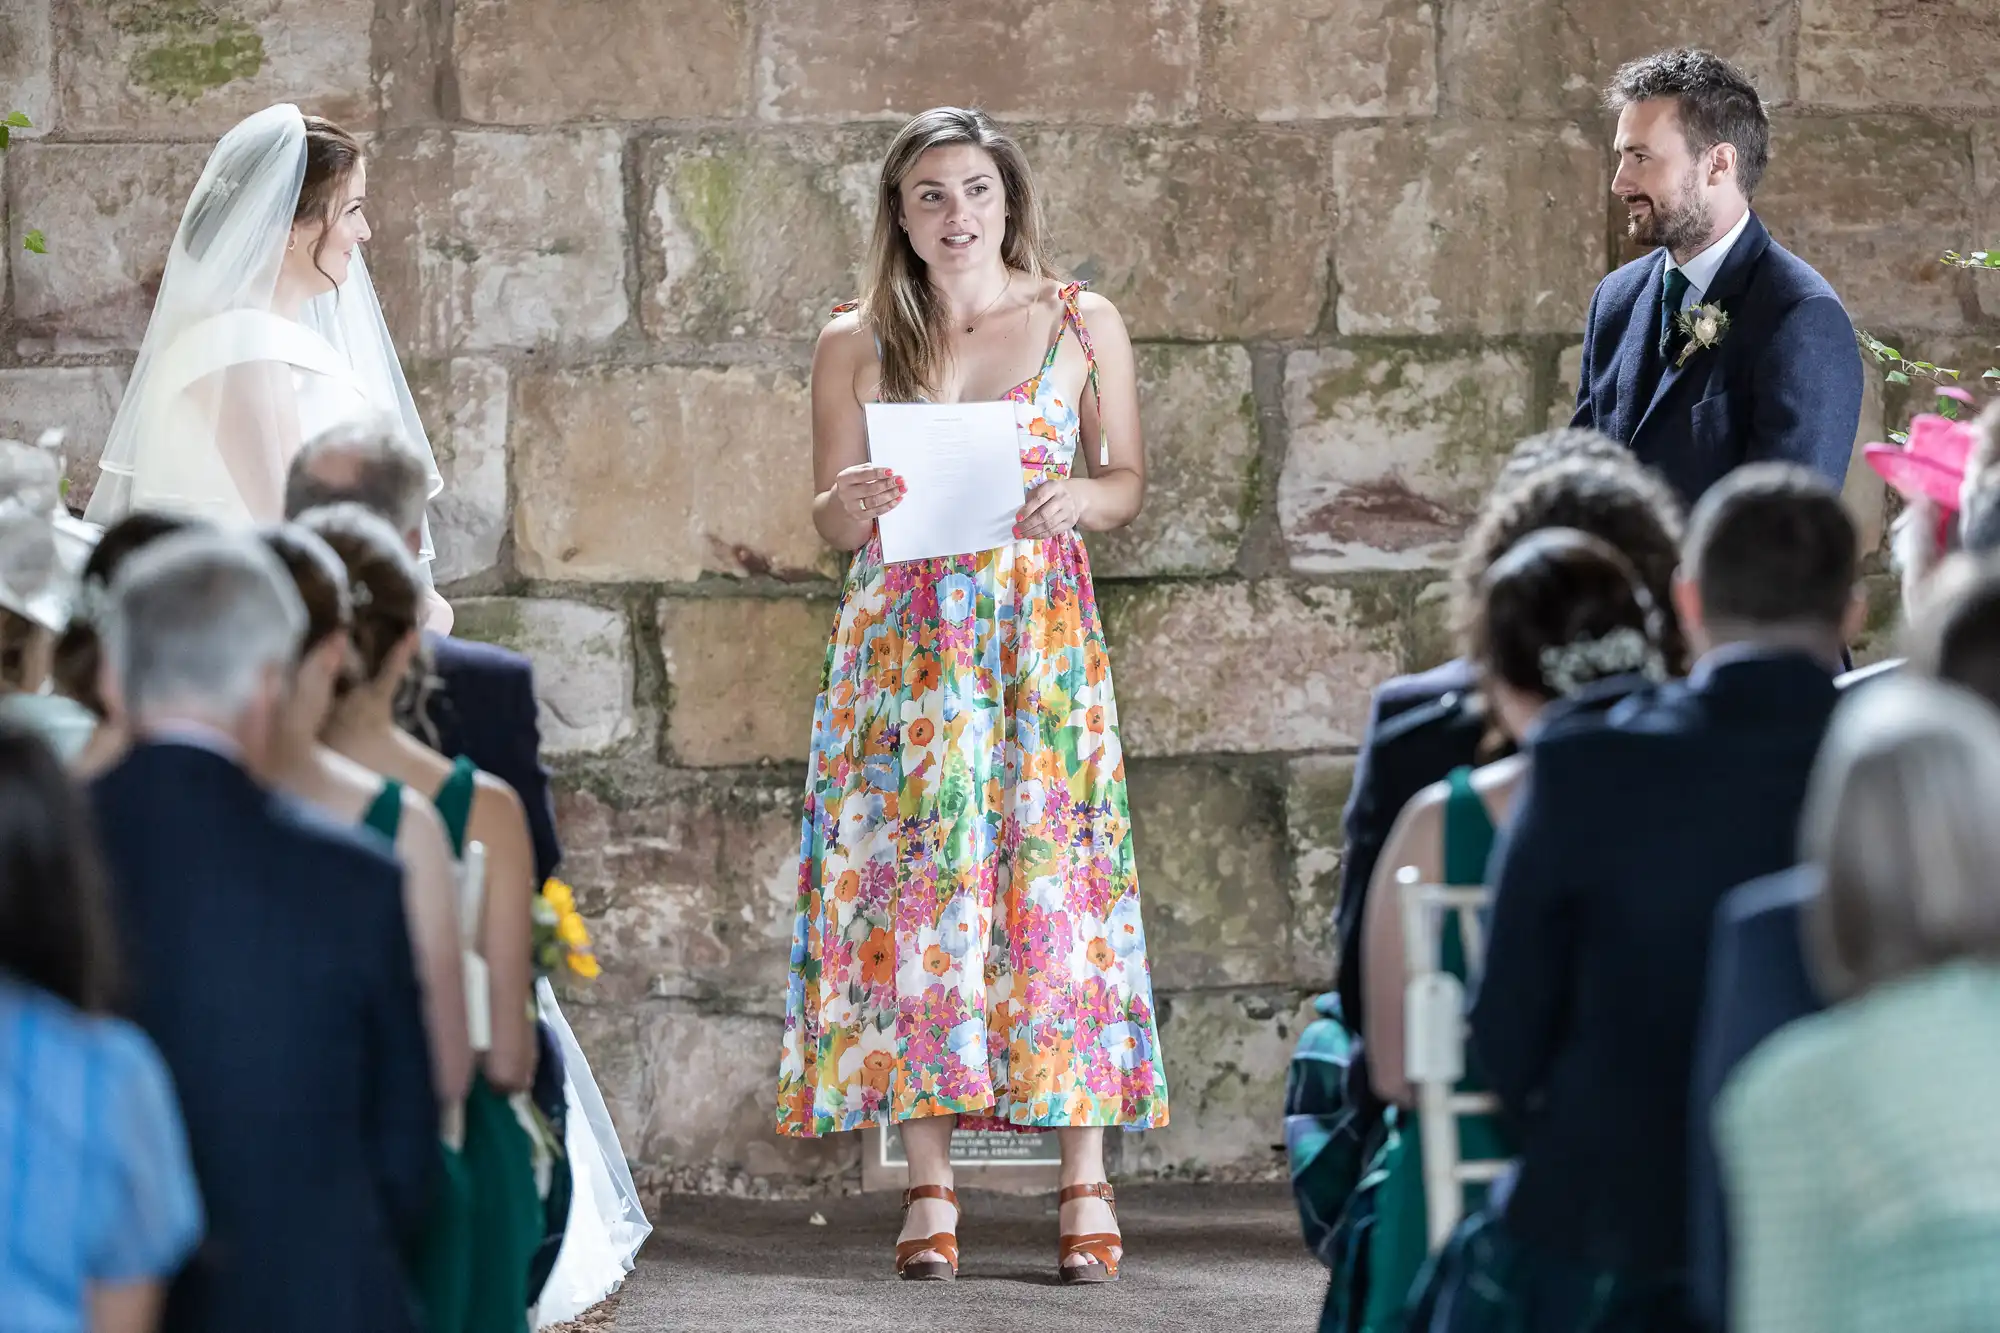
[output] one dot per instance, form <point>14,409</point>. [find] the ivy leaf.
<point>33,241</point>
<point>1897,377</point>
<point>19,120</point>
<point>5,135</point>
<point>1993,374</point>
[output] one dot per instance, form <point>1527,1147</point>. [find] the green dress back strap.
<point>385,812</point>
<point>454,801</point>
<point>1468,845</point>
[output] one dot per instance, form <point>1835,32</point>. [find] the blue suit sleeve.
<point>403,1111</point>
<point>1585,416</point>
<point>525,773</point>
<point>152,1206</point>
<point>1808,386</point>
<point>1708,1238</point>
<point>1522,997</point>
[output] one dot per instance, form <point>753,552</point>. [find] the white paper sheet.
<point>962,463</point>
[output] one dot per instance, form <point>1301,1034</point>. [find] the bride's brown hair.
<point>898,303</point>
<point>331,156</point>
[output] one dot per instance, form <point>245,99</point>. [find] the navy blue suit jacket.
<point>268,957</point>
<point>1757,983</point>
<point>1784,383</point>
<point>486,711</point>
<point>1631,825</point>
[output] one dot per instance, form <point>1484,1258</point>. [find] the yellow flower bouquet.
<point>561,939</point>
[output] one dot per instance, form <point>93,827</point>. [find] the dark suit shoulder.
<point>1783,892</point>
<point>1432,718</point>
<point>1622,286</point>
<point>468,657</point>
<point>338,848</point>
<point>1401,694</point>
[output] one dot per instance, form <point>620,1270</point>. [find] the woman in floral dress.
<point>968,948</point>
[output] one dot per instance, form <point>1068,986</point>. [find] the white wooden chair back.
<point>478,988</point>
<point>1434,1030</point>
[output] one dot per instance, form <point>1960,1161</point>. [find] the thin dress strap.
<point>1074,318</point>
<point>454,801</point>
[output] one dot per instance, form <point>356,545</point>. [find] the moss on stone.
<point>709,190</point>
<point>186,48</point>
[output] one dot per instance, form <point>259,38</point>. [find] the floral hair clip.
<point>360,595</point>
<point>1569,667</point>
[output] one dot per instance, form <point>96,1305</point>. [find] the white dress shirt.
<point>1700,271</point>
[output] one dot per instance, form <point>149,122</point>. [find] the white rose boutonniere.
<point>1703,327</point>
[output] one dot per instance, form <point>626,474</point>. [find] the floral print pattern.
<point>968,937</point>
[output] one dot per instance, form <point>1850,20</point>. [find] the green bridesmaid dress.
<point>442,1264</point>
<point>506,1214</point>
<point>1401,1241</point>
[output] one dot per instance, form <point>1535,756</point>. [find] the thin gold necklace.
<point>1005,287</point>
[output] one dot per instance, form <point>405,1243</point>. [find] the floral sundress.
<point>968,937</point>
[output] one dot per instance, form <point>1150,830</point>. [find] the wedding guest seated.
<point>1949,479</point>
<point>1633,823</point>
<point>77,668</point>
<point>102,1207</point>
<point>1758,976</point>
<point>499,1153</point>
<point>1422,726</point>
<point>1563,618</point>
<point>39,564</point>
<point>269,957</point>
<point>484,707</point>
<point>1857,1145</point>
<point>308,769</point>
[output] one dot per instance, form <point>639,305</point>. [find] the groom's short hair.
<point>1718,105</point>
<point>370,462</point>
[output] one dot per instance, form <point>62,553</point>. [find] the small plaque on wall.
<point>981,1159</point>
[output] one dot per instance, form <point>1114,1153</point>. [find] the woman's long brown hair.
<point>898,303</point>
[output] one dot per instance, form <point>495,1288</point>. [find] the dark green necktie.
<point>1671,291</point>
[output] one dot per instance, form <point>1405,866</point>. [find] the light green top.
<point>1862,1165</point>
<point>64,723</point>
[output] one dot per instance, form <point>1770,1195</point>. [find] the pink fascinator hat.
<point>1932,464</point>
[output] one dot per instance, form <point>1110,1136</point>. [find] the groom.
<point>1776,376</point>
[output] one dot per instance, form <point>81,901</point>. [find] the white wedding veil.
<point>212,416</point>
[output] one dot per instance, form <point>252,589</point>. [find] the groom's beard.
<point>1678,224</point>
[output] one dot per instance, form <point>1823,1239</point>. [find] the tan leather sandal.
<point>1097,1248</point>
<point>908,1266</point>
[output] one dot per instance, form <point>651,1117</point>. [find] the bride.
<point>266,331</point>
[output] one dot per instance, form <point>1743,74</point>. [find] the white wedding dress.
<point>606,1224</point>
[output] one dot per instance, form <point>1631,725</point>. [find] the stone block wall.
<point>1355,240</point>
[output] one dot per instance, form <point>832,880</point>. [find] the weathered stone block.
<point>1533,58</point>
<point>1867,53</point>
<point>676,1128</point>
<point>1127,61</point>
<point>1569,371</point>
<point>110,212</point>
<point>1323,59</point>
<point>494,240</point>
<point>754,237</point>
<point>463,405</point>
<point>664,472</point>
<point>27,66</point>
<point>553,60</point>
<point>690,892</point>
<point>1192,235</point>
<point>583,665</point>
<point>1316,794</point>
<point>1202,465</point>
<point>1243,667</point>
<point>1393,450</point>
<point>1467,228</point>
<point>1986,181</point>
<point>80,401</point>
<point>139,64</point>
<point>1903,196</point>
<point>1211,874</point>
<point>744,673</point>
<point>1226,1052</point>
